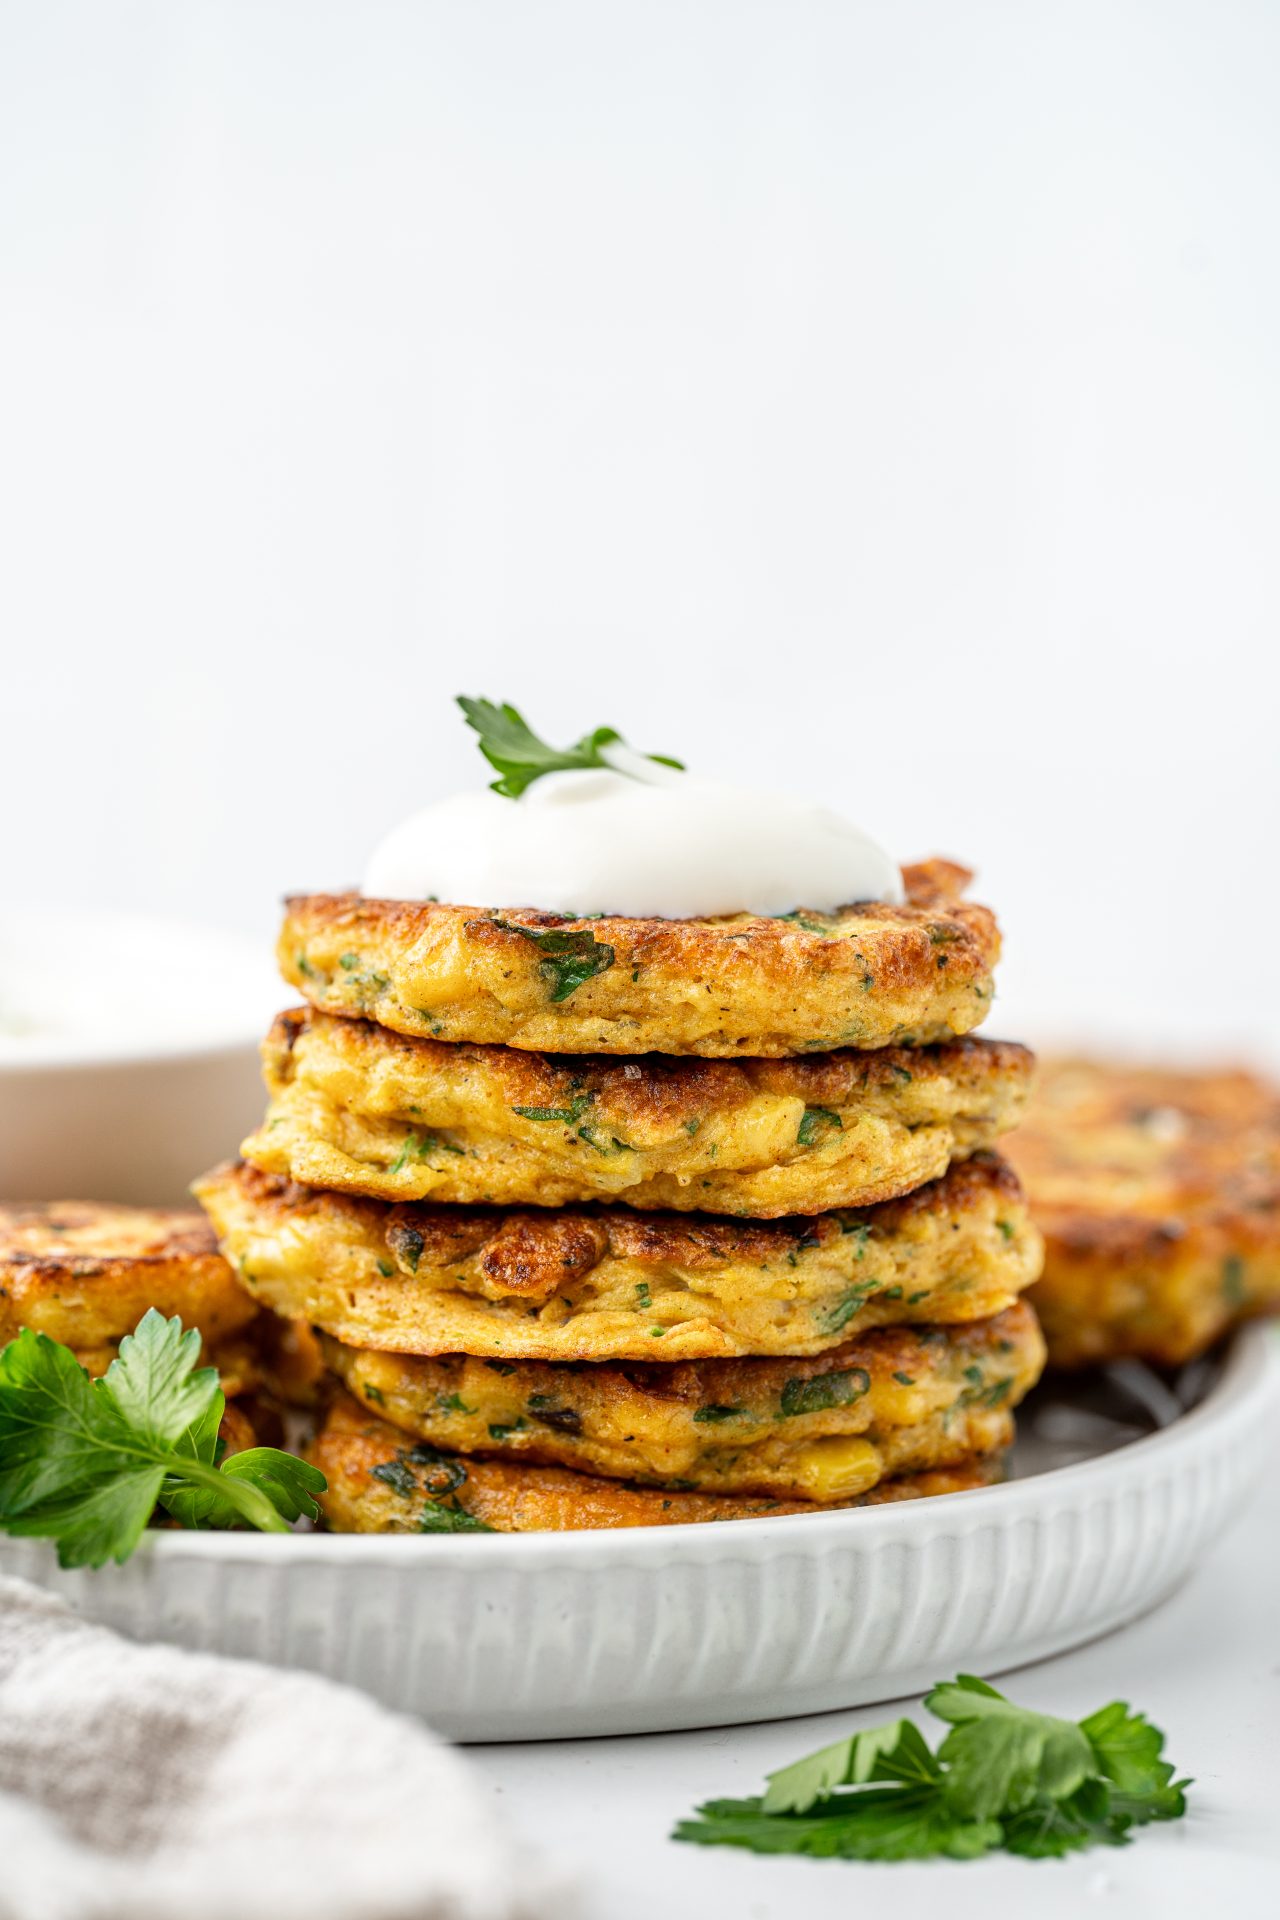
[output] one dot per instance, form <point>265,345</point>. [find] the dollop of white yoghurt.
<point>636,839</point>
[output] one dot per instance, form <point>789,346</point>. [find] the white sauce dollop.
<point>662,844</point>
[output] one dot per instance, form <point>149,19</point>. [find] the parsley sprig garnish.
<point>86,1462</point>
<point>1003,1777</point>
<point>509,743</point>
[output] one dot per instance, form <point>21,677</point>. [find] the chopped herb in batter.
<point>815,1121</point>
<point>568,958</point>
<point>826,1390</point>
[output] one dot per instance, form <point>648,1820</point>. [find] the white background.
<point>877,398</point>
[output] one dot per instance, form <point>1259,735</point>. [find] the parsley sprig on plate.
<point>86,1462</point>
<point>510,745</point>
<point>1003,1777</point>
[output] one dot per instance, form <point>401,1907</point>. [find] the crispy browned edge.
<point>896,942</point>
<point>534,1253</point>
<point>184,1235</point>
<point>510,1497</point>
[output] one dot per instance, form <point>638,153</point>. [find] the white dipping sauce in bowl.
<point>128,1053</point>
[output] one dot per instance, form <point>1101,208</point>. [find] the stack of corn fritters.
<point>617,1222</point>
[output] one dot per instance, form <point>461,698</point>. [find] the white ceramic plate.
<point>538,1636</point>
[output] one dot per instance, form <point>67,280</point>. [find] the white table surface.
<point>1205,1667</point>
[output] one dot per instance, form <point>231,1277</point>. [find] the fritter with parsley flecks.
<point>607,1283</point>
<point>1158,1193</point>
<point>868,975</point>
<point>894,1401</point>
<point>380,1482</point>
<point>359,1109</point>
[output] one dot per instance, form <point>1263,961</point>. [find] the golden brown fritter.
<point>1158,1192</point>
<point>606,1283</point>
<point>894,1401</point>
<point>85,1273</point>
<point>868,975</point>
<point>380,1482</point>
<point>360,1109</point>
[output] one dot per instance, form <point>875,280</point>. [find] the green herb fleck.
<point>825,1390</point>
<point>1233,1287</point>
<point>814,1120</point>
<point>568,959</point>
<point>406,1243</point>
<point>711,1416</point>
<point>837,1317</point>
<point>905,1379</point>
<point>581,1101</point>
<point>438,1517</point>
<point>607,1147</point>
<point>453,1403</point>
<point>808,922</point>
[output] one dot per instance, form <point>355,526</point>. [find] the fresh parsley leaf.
<point>1128,1752</point>
<point>567,958</point>
<point>1003,1777</point>
<point>1000,1756</point>
<point>158,1388</point>
<point>86,1462</point>
<point>879,1823</point>
<point>896,1751</point>
<point>510,745</point>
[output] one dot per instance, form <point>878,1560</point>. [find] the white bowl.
<point>538,1636</point>
<point>128,1053</point>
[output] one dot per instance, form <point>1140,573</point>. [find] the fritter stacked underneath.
<point>628,1222</point>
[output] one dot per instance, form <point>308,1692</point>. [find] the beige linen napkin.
<point>145,1783</point>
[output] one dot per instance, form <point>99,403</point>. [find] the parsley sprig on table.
<point>520,757</point>
<point>86,1462</point>
<point>1003,1777</point>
